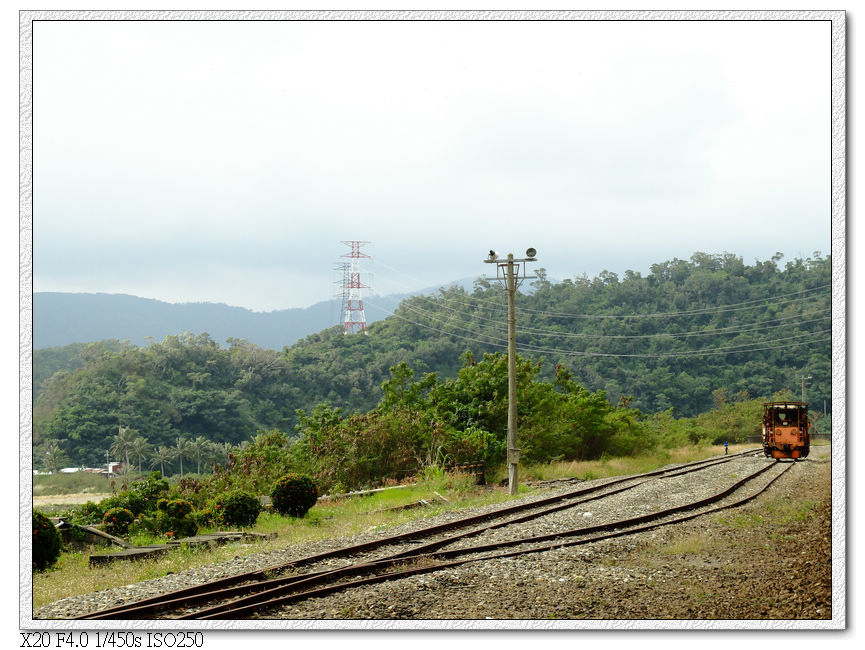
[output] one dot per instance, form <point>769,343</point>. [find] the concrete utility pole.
<point>803,385</point>
<point>510,274</point>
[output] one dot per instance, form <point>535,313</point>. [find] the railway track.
<point>255,593</point>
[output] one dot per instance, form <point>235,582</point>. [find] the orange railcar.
<point>785,430</point>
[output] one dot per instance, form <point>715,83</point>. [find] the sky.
<point>227,161</point>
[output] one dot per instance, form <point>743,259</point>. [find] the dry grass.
<point>607,467</point>
<point>690,545</point>
<point>327,520</point>
<point>337,518</point>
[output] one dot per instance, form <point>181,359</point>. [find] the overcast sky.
<point>226,161</point>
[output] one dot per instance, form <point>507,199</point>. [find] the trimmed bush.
<point>117,521</point>
<point>204,517</point>
<point>88,513</point>
<point>46,542</point>
<point>178,508</point>
<point>173,519</point>
<point>135,503</point>
<point>140,498</point>
<point>294,495</point>
<point>237,508</point>
<point>150,489</point>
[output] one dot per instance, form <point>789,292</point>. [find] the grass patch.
<point>607,467</point>
<point>788,512</point>
<point>691,545</point>
<point>73,483</point>
<point>743,520</point>
<point>334,518</point>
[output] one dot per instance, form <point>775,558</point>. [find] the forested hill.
<point>688,335</point>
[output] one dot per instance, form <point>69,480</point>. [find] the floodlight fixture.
<point>531,252</point>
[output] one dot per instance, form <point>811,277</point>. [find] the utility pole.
<point>511,272</point>
<point>803,385</point>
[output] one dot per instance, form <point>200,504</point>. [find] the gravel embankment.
<point>756,561</point>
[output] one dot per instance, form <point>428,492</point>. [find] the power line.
<point>440,331</point>
<point>739,306</point>
<point>554,333</point>
<point>711,332</point>
<point>729,349</point>
<point>694,312</point>
<point>698,353</point>
<point>501,343</point>
<point>556,350</point>
<point>442,302</point>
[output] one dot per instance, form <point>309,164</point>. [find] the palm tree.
<point>140,447</point>
<point>53,457</point>
<point>199,448</point>
<point>162,457</point>
<point>182,449</point>
<point>123,442</point>
<point>215,453</point>
<point>225,451</point>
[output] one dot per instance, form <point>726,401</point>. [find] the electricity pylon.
<point>354,319</point>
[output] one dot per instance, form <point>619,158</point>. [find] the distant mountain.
<point>63,318</point>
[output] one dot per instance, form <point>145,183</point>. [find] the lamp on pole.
<point>511,272</point>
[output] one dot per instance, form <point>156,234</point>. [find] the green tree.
<point>199,448</point>
<point>776,311</point>
<point>123,442</point>
<point>183,448</point>
<point>53,457</point>
<point>161,457</point>
<point>140,448</point>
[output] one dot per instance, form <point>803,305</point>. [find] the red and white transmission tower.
<point>355,318</point>
<point>343,268</point>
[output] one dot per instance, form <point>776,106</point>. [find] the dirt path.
<point>68,499</point>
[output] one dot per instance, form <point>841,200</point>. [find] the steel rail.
<point>313,580</point>
<point>226,587</point>
<point>254,605</point>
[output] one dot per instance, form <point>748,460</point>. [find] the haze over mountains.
<point>63,318</point>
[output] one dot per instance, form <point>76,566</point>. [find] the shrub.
<point>190,489</point>
<point>150,489</point>
<point>361,449</point>
<point>117,521</point>
<point>175,507</point>
<point>174,527</point>
<point>173,519</point>
<point>89,513</point>
<point>46,542</point>
<point>253,467</point>
<point>140,498</point>
<point>131,501</point>
<point>294,495</point>
<point>205,517</point>
<point>237,508</point>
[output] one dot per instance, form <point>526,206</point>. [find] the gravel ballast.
<point>769,559</point>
